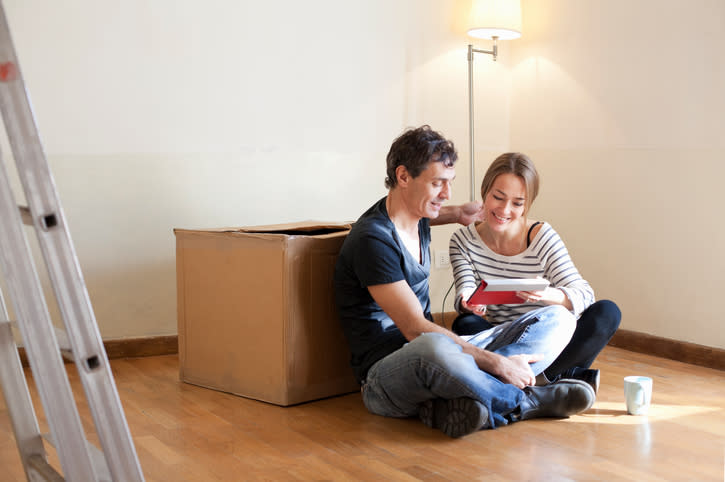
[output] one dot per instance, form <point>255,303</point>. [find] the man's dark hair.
<point>414,149</point>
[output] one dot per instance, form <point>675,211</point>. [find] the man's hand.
<point>516,370</point>
<point>464,214</point>
<point>471,212</point>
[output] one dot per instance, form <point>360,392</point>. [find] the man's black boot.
<point>560,400</point>
<point>589,375</point>
<point>456,417</point>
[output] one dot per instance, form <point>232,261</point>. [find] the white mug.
<point>637,394</point>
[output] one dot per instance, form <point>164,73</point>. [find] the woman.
<point>507,244</point>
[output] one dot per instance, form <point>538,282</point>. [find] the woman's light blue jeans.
<point>434,366</point>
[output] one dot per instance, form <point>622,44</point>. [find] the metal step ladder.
<point>80,339</point>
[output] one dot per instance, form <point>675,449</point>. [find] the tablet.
<point>503,291</point>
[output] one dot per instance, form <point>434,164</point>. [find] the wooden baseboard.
<point>683,351</point>
<point>132,347</point>
<point>138,347</point>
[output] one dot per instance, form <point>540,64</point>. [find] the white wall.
<point>621,105</point>
<point>176,113</point>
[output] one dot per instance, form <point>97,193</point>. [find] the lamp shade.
<point>495,18</point>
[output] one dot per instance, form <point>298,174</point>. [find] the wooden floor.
<point>187,433</point>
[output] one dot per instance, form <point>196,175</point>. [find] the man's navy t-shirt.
<point>374,254</point>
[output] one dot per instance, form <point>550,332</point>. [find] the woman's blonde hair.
<point>513,163</point>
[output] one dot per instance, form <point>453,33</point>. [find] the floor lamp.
<point>494,20</point>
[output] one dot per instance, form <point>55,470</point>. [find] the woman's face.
<point>505,202</point>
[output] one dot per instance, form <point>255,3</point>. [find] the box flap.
<point>301,228</point>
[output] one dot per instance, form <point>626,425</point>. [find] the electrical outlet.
<point>442,259</point>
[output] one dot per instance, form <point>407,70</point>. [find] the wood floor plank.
<point>187,433</point>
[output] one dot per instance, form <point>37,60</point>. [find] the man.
<point>408,365</point>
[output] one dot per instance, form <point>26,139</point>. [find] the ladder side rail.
<point>64,269</point>
<point>17,397</point>
<point>40,342</point>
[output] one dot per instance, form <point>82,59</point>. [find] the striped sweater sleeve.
<point>559,269</point>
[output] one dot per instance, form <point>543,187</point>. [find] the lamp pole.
<point>471,51</point>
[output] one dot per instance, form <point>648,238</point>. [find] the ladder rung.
<point>46,222</point>
<point>25,215</point>
<point>66,350</point>
<point>97,458</point>
<point>43,469</point>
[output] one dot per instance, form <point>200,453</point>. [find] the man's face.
<point>426,193</point>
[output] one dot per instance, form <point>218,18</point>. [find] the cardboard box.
<point>256,311</point>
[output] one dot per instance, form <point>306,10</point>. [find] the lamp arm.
<point>493,51</point>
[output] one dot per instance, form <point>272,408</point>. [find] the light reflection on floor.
<point>616,413</point>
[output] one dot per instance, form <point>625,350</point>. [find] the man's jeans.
<point>434,366</point>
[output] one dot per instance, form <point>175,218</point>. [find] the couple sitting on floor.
<point>499,363</point>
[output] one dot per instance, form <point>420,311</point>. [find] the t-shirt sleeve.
<point>377,261</point>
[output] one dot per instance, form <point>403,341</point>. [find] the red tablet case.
<point>492,295</point>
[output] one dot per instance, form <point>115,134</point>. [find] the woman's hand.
<point>549,296</point>
<point>479,310</point>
